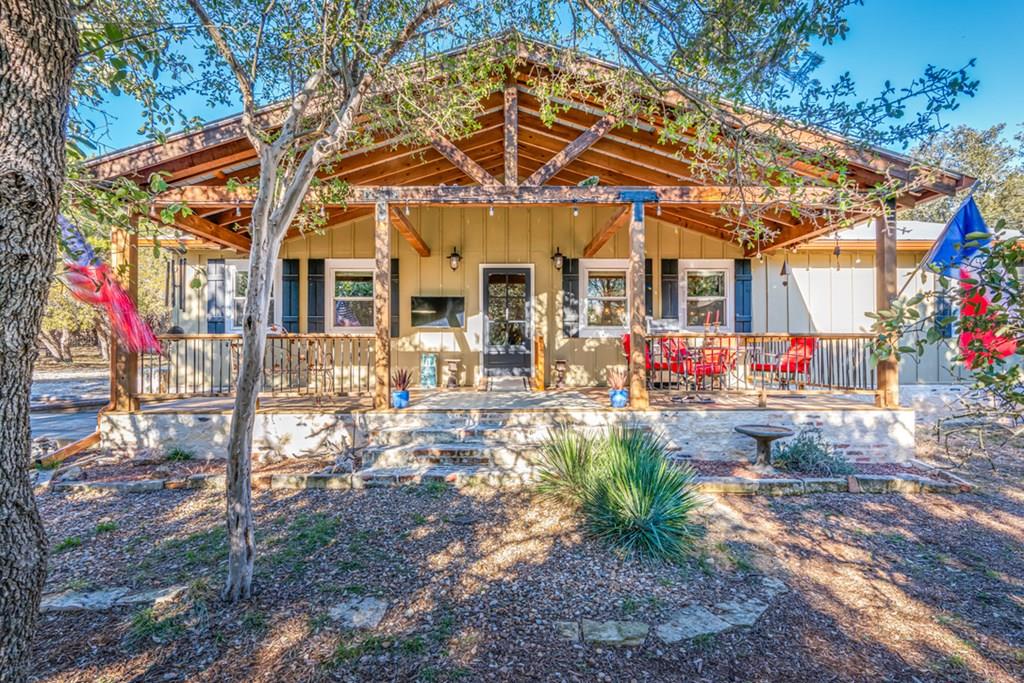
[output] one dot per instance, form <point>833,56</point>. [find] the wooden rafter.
<point>571,151</point>
<point>198,196</point>
<point>462,161</point>
<point>617,221</point>
<point>210,231</point>
<point>511,176</point>
<point>408,231</point>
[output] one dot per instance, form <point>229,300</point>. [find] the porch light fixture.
<point>784,273</point>
<point>490,209</point>
<point>836,252</point>
<point>238,209</point>
<point>407,208</point>
<point>454,259</point>
<point>575,209</point>
<point>657,210</point>
<point>558,259</point>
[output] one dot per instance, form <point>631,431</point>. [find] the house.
<point>498,256</point>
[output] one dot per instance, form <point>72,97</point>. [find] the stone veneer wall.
<point>206,436</point>
<point>865,434</point>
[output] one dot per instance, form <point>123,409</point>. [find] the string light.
<point>238,209</point>
<point>658,209</point>
<point>490,210</point>
<point>407,208</point>
<point>575,209</point>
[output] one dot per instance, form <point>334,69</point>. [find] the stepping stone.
<point>614,632</point>
<point>741,612</point>
<point>569,630</point>
<point>77,600</point>
<point>690,622</point>
<point>362,612</point>
<point>107,598</point>
<point>773,586</point>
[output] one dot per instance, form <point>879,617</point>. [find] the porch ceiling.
<point>579,144</point>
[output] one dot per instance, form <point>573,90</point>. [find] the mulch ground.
<point>882,588</point>
<point>714,468</point>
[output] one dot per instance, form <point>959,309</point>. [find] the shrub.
<point>565,459</point>
<point>808,452</point>
<point>638,502</point>
<point>178,455</point>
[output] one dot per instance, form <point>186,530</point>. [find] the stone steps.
<point>469,453</point>
<point>454,475</point>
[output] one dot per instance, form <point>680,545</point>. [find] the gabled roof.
<point>630,155</point>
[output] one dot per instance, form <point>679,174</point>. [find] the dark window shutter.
<point>315,295</point>
<point>571,297</point>
<point>744,295</point>
<point>216,295</point>
<point>669,289</point>
<point>649,287</point>
<point>396,304</point>
<point>290,294</point>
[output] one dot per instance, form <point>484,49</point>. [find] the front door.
<point>508,334</point>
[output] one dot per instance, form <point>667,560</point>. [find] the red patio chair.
<point>670,352</point>
<point>792,366</point>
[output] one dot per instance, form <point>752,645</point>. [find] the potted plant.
<point>400,381</point>
<point>618,393</point>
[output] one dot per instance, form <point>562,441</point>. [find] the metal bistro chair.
<point>791,366</point>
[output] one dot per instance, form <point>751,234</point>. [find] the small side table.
<point>764,435</point>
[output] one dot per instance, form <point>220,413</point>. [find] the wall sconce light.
<point>784,273</point>
<point>454,259</point>
<point>836,252</point>
<point>558,259</point>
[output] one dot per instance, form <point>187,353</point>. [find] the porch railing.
<point>832,362</point>
<point>319,365</point>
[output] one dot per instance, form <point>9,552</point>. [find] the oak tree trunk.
<point>38,52</point>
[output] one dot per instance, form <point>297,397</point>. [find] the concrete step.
<point>400,436</point>
<point>506,456</point>
<point>453,475</point>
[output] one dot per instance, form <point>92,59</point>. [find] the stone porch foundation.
<point>861,432</point>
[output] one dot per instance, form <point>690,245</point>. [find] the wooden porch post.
<point>382,307</point>
<point>886,285</point>
<point>124,366</point>
<point>637,311</point>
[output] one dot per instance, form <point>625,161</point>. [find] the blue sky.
<point>888,39</point>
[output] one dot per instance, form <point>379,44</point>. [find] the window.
<point>238,287</point>
<point>350,302</point>
<point>706,293</point>
<point>604,308</point>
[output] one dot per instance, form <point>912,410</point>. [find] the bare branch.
<point>248,121</point>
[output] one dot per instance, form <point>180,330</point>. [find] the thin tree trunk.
<point>51,344</point>
<point>38,51</point>
<point>65,346</point>
<point>241,545</point>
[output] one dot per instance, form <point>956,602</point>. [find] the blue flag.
<point>952,247</point>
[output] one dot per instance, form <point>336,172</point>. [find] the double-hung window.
<point>237,273</point>
<point>350,304</point>
<point>604,305</point>
<point>706,294</point>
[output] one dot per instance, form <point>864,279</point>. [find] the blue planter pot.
<point>619,397</point>
<point>399,399</point>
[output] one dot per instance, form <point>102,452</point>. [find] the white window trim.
<point>231,267</point>
<point>331,266</point>
<point>603,331</point>
<point>729,266</point>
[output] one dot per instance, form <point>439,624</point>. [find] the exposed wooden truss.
<point>204,195</point>
<point>512,142</point>
<point>462,161</point>
<point>406,229</point>
<point>618,220</point>
<point>571,151</point>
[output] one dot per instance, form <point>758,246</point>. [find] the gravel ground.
<point>883,588</point>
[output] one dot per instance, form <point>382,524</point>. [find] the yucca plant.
<point>638,502</point>
<point>565,461</point>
